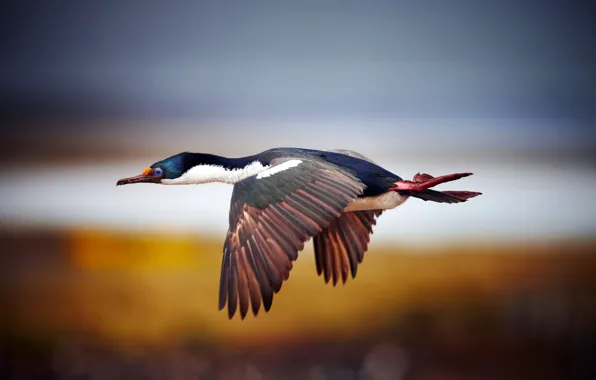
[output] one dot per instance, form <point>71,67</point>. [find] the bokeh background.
<point>99,282</point>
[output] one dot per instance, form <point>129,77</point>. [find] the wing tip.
<point>231,313</point>
<point>222,302</point>
<point>267,306</point>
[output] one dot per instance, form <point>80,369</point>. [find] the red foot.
<point>426,181</point>
<point>421,184</point>
<point>422,177</point>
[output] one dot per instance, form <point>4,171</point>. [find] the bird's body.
<point>282,197</point>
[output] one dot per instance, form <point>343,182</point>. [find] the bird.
<point>283,197</point>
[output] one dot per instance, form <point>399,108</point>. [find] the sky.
<point>268,59</point>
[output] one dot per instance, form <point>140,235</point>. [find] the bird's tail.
<point>421,184</point>
<point>442,196</point>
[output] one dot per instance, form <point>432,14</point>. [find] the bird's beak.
<point>146,177</point>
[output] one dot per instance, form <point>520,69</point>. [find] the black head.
<point>175,166</point>
<point>169,168</point>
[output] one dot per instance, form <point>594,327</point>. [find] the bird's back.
<point>376,178</point>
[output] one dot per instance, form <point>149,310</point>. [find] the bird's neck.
<point>207,168</point>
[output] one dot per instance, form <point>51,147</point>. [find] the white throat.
<point>214,173</point>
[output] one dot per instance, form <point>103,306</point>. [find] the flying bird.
<point>282,197</point>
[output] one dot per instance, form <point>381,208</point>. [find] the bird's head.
<point>160,172</point>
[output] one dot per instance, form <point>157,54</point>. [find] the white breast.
<point>385,201</point>
<point>213,173</point>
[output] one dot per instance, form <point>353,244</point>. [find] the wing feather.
<point>340,247</point>
<point>271,217</point>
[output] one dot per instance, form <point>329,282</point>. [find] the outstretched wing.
<point>340,247</point>
<point>272,215</point>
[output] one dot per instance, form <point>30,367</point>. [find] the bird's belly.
<point>385,201</point>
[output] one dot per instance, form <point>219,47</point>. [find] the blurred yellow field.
<point>163,290</point>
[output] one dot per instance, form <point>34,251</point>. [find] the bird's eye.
<point>157,171</point>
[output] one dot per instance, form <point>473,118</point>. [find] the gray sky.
<point>269,58</point>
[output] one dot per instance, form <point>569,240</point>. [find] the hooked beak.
<point>146,177</point>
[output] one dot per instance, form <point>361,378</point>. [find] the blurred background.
<point>99,282</point>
